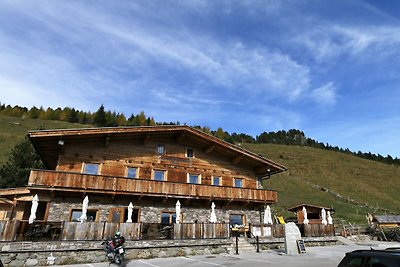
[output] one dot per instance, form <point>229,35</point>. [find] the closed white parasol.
<point>323,217</point>
<point>267,215</point>
<point>130,211</point>
<point>178,212</point>
<point>306,221</point>
<point>35,203</point>
<point>85,205</point>
<point>213,217</point>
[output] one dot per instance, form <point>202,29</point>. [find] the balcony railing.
<point>135,186</point>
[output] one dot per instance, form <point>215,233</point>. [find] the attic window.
<point>190,152</point>
<point>160,149</point>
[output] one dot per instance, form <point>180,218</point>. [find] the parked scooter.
<point>115,252</point>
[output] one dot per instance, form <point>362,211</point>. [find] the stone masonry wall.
<point>150,211</point>
<point>19,254</point>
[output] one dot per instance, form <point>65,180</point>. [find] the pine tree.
<point>100,117</point>
<point>15,172</point>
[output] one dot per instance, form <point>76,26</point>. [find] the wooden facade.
<point>151,166</point>
<point>313,213</point>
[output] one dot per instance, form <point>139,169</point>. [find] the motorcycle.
<point>115,252</point>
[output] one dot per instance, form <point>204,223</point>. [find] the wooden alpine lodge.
<point>133,178</point>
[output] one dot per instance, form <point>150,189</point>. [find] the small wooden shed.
<point>313,213</point>
<point>386,221</point>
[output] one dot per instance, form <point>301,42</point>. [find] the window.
<point>216,180</point>
<point>132,172</point>
<point>168,217</point>
<point>91,168</point>
<point>91,215</point>
<point>160,149</point>
<point>190,152</point>
<point>237,182</point>
<point>159,175</point>
<point>120,215</point>
<point>236,219</point>
<point>193,178</point>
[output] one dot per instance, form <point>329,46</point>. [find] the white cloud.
<point>325,95</point>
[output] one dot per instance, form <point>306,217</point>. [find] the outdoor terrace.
<point>69,181</point>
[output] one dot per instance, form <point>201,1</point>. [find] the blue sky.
<point>328,68</point>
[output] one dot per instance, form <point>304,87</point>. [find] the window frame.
<point>193,174</point>
<point>127,172</point>
<point>160,149</point>
<point>84,164</point>
<point>153,174</point>
<point>238,179</point>
<point>213,182</point>
<point>192,153</point>
<point>243,218</point>
<point>72,210</point>
<point>172,218</point>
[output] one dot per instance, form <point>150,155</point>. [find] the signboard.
<point>301,246</point>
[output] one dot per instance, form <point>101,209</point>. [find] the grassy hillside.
<point>13,129</point>
<point>350,185</point>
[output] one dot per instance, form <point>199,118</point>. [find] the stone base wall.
<point>150,211</point>
<point>18,254</point>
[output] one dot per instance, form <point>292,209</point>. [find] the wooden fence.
<point>315,230</point>
<point>267,230</point>
<point>201,230</point>
<point>8,230</point>
<point>21,230</point>
<point>278,230</point>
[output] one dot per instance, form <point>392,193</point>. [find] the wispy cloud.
<point>325,95</point>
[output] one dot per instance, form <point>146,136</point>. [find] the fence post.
<point>237,245</point>
<point>258,244</point>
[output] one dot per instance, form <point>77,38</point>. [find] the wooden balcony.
<point>68,181</point>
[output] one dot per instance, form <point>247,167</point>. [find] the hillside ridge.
<point>352,186</point>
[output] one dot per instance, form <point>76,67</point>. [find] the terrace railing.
<point>122,185</point>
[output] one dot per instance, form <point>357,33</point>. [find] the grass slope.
<point>350,185</point>
<point>13,130</point>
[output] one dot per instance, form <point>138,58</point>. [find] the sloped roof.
<point>387,218</point>
<point>48,143</point>
<point>308,206</point>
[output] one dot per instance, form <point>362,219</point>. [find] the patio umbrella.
<point>84,210</point>
<point>306,221</point>
<point>178,212</point>
<point>35,203</point>
<point>323,216</point>
<point>213,217</point>
<point>130,211</point>
<point>330,220</point>
<point>267,215</point>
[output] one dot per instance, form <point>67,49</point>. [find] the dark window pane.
<point>236,219</point>
<point>165,217</point>
<point>190,152</point>
<point>160,149</point>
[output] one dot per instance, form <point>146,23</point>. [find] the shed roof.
<point>48,143</point>
<point>387,218</point>
<point>307,206</point>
